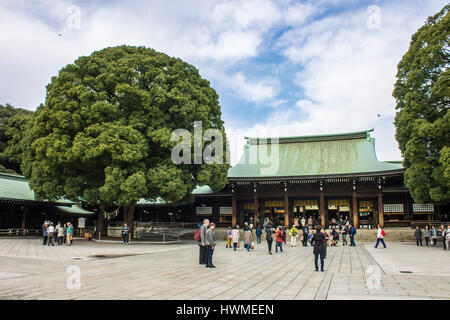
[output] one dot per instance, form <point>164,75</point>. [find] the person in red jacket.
<point>279,235</point>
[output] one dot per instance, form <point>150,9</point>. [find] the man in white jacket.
<point>380,236</point>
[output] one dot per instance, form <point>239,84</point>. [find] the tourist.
<point>65,233</point>
<point>318,238</point>
<point>434,235</point>
<point>303,221</point>
<point>344,231</point>
<point>319,221</point>
<point>335,236</point>
<point>418,235</point>
<point>380,236</point>
<point>56,231</point>
<point>69,233</point>
<point>426,235</point>
<point>283,228</point>
<point>327,237</point>
<point>60,235</point>
<point>447,235</point>
<point>125,230</point>
<point>51,231</point>
<point>229,237</point>
<point>279,239</point>
<point>351,232</point>
<point>305,236</point>
<point>443,235</point>
<point>44,233</point>
<point>258,234</point>
<point>294,235</point>
<point>269,237</point>
<point>310,222</point>
<point>333,221</point>
<point>250,225</point>
<point>248,238</point>
<point>202,242</point>
<point>210,241</point>
<point>370,225</point>
<point>266,221</point>
<point>235,237</point>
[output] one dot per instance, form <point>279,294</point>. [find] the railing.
<point>158,225</point>
<point>163,237</point>
<point>20,232</point>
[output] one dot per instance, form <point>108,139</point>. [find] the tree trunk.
<point>102,222</point>
<point>128,218</point>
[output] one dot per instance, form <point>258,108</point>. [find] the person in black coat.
<point>320,248</point>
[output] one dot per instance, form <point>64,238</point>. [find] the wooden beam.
<point>255,208</point>
<point>286,210</point>
<point>380,209</point>
<point>233,217</point>
<point>323,217</point>
<point>355,210</point>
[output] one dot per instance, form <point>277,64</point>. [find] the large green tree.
<point>104,132</point>
<point>422,122</point>
<point>11,121</point>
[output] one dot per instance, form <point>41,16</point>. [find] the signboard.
<point>81,223</point>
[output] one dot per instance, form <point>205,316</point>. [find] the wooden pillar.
<point>355,210</point>
<point>322,210</point>
<point>24,217</point>
<point>255,208</point>
<point>407,208</point>
<point>286,210</point>
<point>380,208</point>
<point>233,212</point>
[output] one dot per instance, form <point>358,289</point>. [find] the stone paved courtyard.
<point>29,270</point>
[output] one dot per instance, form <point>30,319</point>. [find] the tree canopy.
<point>12,124</point>
<point>422,122</point>
<point>104,132</point>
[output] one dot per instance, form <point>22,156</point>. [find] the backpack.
<point>197,236</point>
<point>383,233</point>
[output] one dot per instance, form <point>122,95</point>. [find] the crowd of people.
<point>305,231</point>
<point>60,234</point>
<point>431,234</point>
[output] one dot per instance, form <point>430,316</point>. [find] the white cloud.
<point>255,90</point>
<point>347,74</point>
<point>212,35</point>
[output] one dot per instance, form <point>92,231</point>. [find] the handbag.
<point>252,246</point>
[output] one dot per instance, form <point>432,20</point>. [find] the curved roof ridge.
<point>364,134</point>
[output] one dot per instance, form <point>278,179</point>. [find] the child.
<point>258,234</point>
<point>248,238</point>
<point>229,237</point>
<point>335,235</point>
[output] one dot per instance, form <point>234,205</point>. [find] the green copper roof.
<point>320,155</point>
<point>15,187</point>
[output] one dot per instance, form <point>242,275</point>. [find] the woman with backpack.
<point>380,236</point>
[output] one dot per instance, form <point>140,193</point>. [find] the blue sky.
<point>281,68</point>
